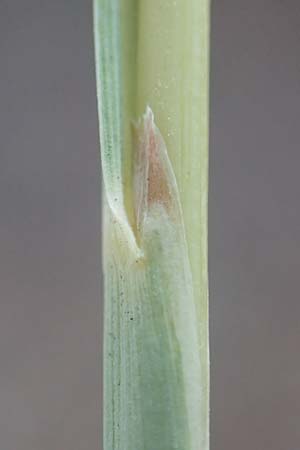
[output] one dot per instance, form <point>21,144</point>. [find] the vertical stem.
<point>153,56</point>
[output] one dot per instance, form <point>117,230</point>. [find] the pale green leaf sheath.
<point>152,63</point>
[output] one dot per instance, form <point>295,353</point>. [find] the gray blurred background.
<point>50,305</point>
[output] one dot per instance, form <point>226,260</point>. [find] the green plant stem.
<point>152,55</point>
